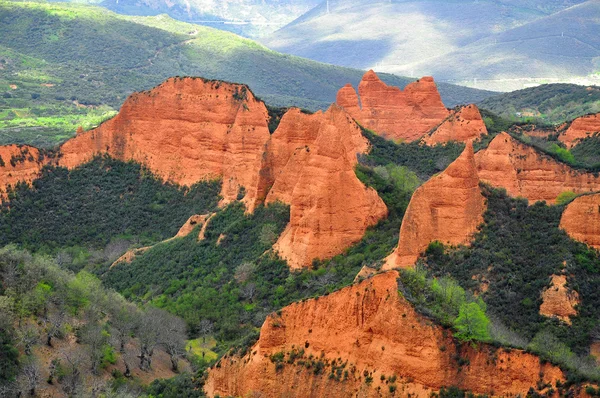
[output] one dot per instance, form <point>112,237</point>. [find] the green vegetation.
<point>65,65</point>
<point>587,151</point>
<point>98,202</point>
<point>444,300</point>
<point>83,327</point>
<point>565,197</point>
<point>548,103</point>
<point>513,256</point>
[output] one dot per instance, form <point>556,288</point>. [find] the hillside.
<point>563,47</point>
<point>548,103</point>
<point>250,18</point>
<point>64,65</point>
<point>456,41</point>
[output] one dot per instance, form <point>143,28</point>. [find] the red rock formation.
<point>447,208</point>
<point>558,301</point>
<point>463,125</point>
<point>185,130</point>
<point>581,220</point>
<point>311,165</point>
<point>19,163</point>
<point>402,115</point>
<point>193,222</point>
<point>371,329</point>
<point>581,128</point>
<point>524,172</point>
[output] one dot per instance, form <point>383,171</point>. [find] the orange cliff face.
<point>581,128</point>
<point>447,208</point>
<point>524,172</point>
<point>185,130</point>
<point>581,220</point>
<point>20,163</point>
<point>311,161</point>
<point>370,328</point>
<point>463,125</point>
<point>405,115</point>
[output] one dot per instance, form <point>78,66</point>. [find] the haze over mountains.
<point>486,44</point>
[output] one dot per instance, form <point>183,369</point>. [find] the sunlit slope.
<point>557,48</point>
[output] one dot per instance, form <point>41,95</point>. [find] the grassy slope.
<point>551,103</point>
<point>73,64</point>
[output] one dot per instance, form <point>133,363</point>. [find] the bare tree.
<point>95,339</point>
<point>123,318</point>
<point>8,390</point>
<point>27,337</point>
<point>243,272</point>
<point>54,323</point>
<point>30,377</point>
<point>64,259</point>
<point>74,361</point>
<point>172,338</point>
<point>205,328</point>
<point>248,291</point>
<point>148,332</point>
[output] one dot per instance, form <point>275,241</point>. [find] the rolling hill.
<point>64,65</point>
<point>453,40</point>
<point>550,103</point>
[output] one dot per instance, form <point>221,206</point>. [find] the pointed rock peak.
<point>371,76</point>
<point>426,79</point>
<point>464,166</point>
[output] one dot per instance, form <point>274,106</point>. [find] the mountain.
<point>64,65</point>
<point>456,41</point>
<point>250,18</point>
<point>558,48</point>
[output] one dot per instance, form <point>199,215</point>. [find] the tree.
<point>123,318</point>
<point>472,323</point>
<point>30,377</point>
<point>205,328</point>
<point>27,337</point>
<point>565,197</point>
<point>95,338</point>
<point>172,338</point>
<point>148,332</point>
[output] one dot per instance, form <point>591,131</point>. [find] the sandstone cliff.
<point>581,128</point>
<point>401,115</point>
<point>524,172</point>
<point>368,331</point>
<point>18,163</point>
<point>447,208</point>
<point>558,301</point>
<point>190,129</point>
<point>310,165</point>
<point>581,220</point>
<point>185,130</point>
<point>464,124</point>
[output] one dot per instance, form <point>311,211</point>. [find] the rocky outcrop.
<point>18,163</point>
<point>190,129</point>
<point>447,208</point>
<point>464,124</point>
<point>185,130</point>
<point>581,128</point>
<point>558,301</point>
<point>369,331</point>
<point>310,165</point>
<point>524,172</point>
<point>581,220</point>
<point>193,222</point>
<point>400,115</point>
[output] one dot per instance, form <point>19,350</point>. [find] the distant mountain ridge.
<point>456,41</point>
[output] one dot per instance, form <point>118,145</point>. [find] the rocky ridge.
<point>369,331</point>
<point>447,208</point>
<point>400,115</point>
<point>524,172</point>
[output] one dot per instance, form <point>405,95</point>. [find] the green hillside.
<point>64,65</point>
<point>549,103</point>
